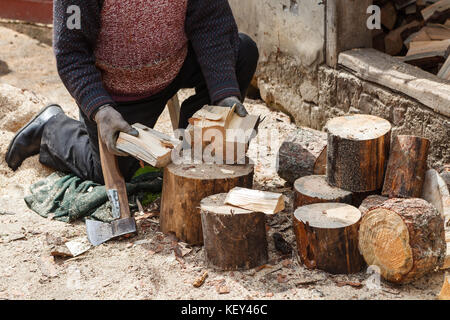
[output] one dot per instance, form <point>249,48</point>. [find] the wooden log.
<point>437,12</point>
<point>358,148</point>
<point>315,189</point>
<point>327,237</point>
<point>404,238</point>
<point>388,15</point>
<point>394,40</point>
<point>235,238</point>
<point>445,291</point>
<point>371,202</point>
<point>184,186</point>
<point>406,167</point>
<point>303,153</point>
<point>256,200</point>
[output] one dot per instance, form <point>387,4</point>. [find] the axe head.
<point>99,232</point>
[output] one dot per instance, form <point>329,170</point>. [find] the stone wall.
<point>343,93</point>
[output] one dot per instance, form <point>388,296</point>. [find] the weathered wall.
<point>290,37</point>
<point>343,93</point>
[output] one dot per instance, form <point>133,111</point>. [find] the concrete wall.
<point>290,37</point>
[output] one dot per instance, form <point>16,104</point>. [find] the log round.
<point>358,149</point>
<point>404,238</point>
<point>184,186</point>
<point>327,237</point>
<point>315,189</point>
<point>406,168</point>
<point>303,153</point>
<point>235,238</point>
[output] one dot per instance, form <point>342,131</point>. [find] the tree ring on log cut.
<point>333,215</point>
<point>384,242</point>
<point>315,189</point>
<point>358,127</point>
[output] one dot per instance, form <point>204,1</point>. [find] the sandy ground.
<point>144,267</point>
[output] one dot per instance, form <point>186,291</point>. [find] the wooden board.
<point>327,237</point>
<point>404,238</point>
<point>184,186</point>
<point>256,200</point>
<point>358,149</point>
<point>234,238</point>
<point>387,71</point>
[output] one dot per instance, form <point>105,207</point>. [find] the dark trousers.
<point>71,146</point>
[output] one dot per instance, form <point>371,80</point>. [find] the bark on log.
<point>315,189</point>
<point>235,238</point>
<point>404,237</point>
<point>406,167</point>
<point>327,237</point>
<point>184,186</point>
<point>302,154</point>
<point>445,291</point>
<point>371,202</point>
<point>358,148</point>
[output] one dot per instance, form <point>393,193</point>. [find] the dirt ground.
<point>144,267</point>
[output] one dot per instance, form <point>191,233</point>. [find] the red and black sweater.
<point>81,55</point>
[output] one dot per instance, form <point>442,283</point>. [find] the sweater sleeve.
<point>74,51</point>
<point>212,30</point>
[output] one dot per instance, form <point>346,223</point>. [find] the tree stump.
<point>371,202</point>
<point>235,238</point>
<point>358,148</point>
<point>406,167</point>
<point>302,154</point>
<point>404,237</point>
<point>184,186</point>
<point>327,237</point>
<point>315,189</point>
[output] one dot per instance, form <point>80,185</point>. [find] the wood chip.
<point>201,280</point>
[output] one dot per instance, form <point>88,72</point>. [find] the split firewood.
<point>358,149</point>
<point>303,153</point>
<point>315,189</point>
<point>444,72</point>
<point>221,134</point>
<point>388,15</point>
<point>403,237</point>
<point>371,202</point>
<point>437,12</point>
<point>394,39</point>
<point>406,167</point>
<point>427,54</point>
<point>445,291</point>
<point>256,200</point>
<point>435,191</point>
<point>151,146</point>
<point>327,237</point>
<point>184,186</point>
<point>234,238</point>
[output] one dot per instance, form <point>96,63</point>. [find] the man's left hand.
<point>230,102</point>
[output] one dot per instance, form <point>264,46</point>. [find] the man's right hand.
<point>110,123</point>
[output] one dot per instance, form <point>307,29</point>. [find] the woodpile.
<point>418,31</point>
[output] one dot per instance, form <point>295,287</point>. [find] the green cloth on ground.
<point>68,198</point>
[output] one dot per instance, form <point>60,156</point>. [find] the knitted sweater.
<point>209,26</point>
<point>134,62</point>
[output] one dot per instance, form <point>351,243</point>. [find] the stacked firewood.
<point>373,202</point>
<point>418,31</point>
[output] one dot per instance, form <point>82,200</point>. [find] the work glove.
<point>110,123</point>
<point>230,102</point>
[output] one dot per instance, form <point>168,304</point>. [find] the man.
<point>122,66</point>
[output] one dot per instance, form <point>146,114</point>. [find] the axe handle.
<point>113,178</point>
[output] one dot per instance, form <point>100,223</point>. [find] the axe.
<point>99,232</point>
